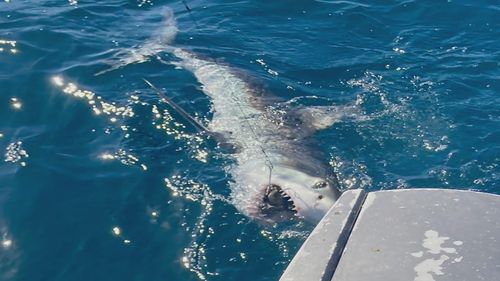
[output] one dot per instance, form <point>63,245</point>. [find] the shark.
<point>278,173</point>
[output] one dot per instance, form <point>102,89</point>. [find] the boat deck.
<point>406,234</point>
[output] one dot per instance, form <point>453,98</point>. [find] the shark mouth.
<point>276,205</point>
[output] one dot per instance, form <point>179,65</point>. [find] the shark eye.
<point>320,184</point>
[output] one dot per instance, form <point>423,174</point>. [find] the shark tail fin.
<point>160,41</point>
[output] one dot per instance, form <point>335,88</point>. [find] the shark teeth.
<point>271,199</point>
<point>274,204</point>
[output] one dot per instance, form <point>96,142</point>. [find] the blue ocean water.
<point>103,181</point>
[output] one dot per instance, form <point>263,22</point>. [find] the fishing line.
<point>186,5</point>
<point>267,161</point>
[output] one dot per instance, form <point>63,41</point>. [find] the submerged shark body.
<point>277,173</point>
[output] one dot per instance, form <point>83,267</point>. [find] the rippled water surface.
<point>103,181</point>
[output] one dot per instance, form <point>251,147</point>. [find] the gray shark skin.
<point>278,174</point>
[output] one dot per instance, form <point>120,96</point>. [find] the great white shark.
<point>278,172</point>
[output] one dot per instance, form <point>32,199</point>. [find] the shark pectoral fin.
<point>225,146</point>
<point>319,117</point>
<point>322,117</point>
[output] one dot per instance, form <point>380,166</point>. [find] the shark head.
<point>291,193</point>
